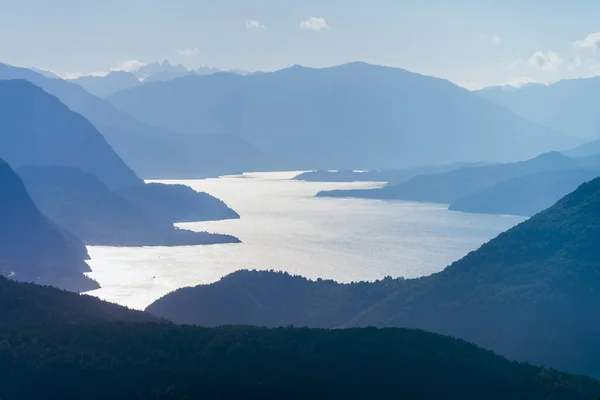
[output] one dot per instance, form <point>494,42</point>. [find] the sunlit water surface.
<point>284,227</point>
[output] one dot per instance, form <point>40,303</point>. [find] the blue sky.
<point>472,43</point>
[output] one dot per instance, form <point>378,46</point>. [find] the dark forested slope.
<point>147,361</point>
<point>28,304</point>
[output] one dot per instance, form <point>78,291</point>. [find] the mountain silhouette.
<point>142,216</point>
<point>391,176</point>
<point>177,203</point>
<point>32,247</point>
<point>104,86</point>
<point>28,304</point>
<point>159,71</point>
<point>567,105</point>
<point>354,116</point>
<point>452,186</point>
<point>37,129</point>
<point>525,195</point>
<point>151,152</point>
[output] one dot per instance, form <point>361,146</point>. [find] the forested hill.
<point>147,361</point>
<point>27,304</point>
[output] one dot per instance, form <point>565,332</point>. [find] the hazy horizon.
<point>471,44</point>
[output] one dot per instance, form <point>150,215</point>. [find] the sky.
<point>473,43</point>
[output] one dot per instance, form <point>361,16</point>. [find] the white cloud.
<point>188,52</point>
<point>496,39</point>
<point>513,83</point>
<point>252,24</point>
<point>129,66</point>
<point>575,64</point>
<point>520,82</point>
<point>592,41</point>
<point>75,75</point>
<point>515,64</point>
<point>314,23</point>
<point>595,67</point>
<point>549,61</point>
<point>71,75</point>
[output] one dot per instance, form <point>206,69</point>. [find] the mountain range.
<point>451,186</point>
<point>567,105</point>
<point>37,129</point>
<point>523,188</point>
<point>115,81</point>
<point>151,152</point>
<point>391,176</point>
<point>77,179</point>
<point>354,116</point>
<point>530,294</point>
<point>525,195</point>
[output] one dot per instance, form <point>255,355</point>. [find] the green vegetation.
<point>146,361</point>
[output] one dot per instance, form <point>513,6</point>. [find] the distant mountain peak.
<point>158,67</point>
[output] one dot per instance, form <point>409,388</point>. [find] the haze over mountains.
<point>391,176</point>
<point>151,152</point>
<point>77,179</point>
<point>140,215</point>
<point>525,195</point>
<point>355,116</point>
<point>38,129</point>
<point>529,294</point>
<point>568,105</point>
<point>448,187</point>
<point>32,247</point>
<point>115,81</point>
<point>299,200</point>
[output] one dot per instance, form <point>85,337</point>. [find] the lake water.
<point>284,227</point>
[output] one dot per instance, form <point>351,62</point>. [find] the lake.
<point>284,227</point>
